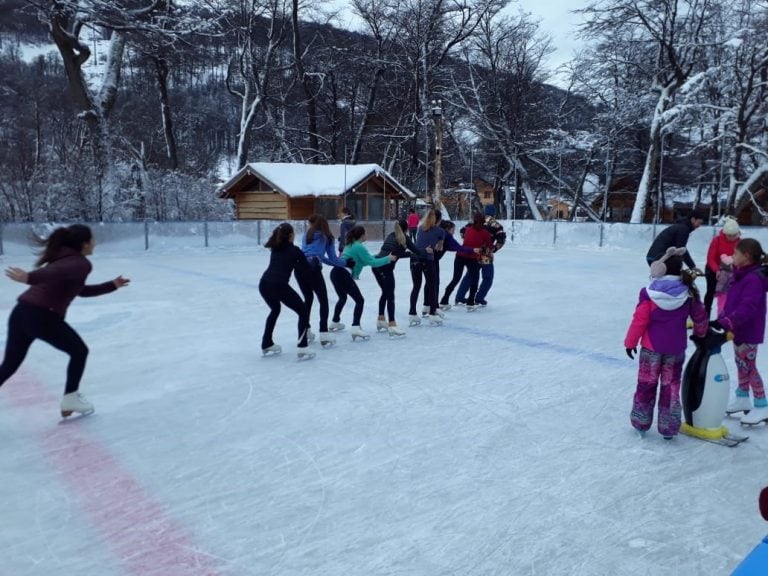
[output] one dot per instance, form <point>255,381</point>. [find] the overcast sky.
<point>556,19</point>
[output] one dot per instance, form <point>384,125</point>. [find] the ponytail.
<point>75,237</point>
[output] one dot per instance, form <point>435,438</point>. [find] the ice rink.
<point>498,443</point>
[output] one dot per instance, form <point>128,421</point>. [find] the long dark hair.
<point>75,236</point>
<point>281,236</point>
<point>478,221</point>
<point>752,248</point>
<point>318,223</point>
<point>354,234</point>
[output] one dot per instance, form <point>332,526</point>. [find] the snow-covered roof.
<point>298,180</point>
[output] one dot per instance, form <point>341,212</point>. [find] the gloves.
<point>631,352</point>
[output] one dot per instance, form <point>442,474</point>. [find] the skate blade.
<point>355,337</point>
<point>328,343</point>
<point>68,413</point>
<point>302,356</point>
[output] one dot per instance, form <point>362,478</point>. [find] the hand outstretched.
<point>120,281</point>
<point>17,274</point>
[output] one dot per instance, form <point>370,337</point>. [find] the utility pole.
<point>437,117</point>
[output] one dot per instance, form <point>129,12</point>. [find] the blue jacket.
<point>320,250</point>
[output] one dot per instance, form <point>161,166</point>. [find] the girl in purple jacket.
<point>744,316</point>
<point>59,277</point>
<point>659,325</point>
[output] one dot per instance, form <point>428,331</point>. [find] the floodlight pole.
<point>437,117</point>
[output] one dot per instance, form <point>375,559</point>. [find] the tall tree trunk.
<point>161,74</point>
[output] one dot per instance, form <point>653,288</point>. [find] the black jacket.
<point>674,236</point>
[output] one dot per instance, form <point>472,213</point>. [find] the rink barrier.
<point>18,238</point>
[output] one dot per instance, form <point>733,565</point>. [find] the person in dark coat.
<point>59,277</point>
<point>676,236</point>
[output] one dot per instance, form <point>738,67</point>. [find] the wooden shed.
<point>288,191</point>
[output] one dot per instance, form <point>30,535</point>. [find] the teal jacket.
<point>362,258</point>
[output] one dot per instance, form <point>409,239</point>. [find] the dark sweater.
<point>284,261</point>
<point>56,284</point>
<point>674,236</point>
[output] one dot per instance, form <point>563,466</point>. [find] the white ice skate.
<point>273,350</point>
<point>327,339</point>
<point>413,320</point>
<point>75,402</point>
<point>395,331</point>
<point>336,326</point>
<point>424,311</point>
<point>304,354</point>
<point>310,335</point>
<point>445,306</point>
<point>381,325</point>
<point>755,416</point>
<point>739,404</point>
<point>472,307</point>
<point>358,332</point>
<point>435,320</point>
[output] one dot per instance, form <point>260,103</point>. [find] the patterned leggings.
<point>668,368</point>
<point>749,377</point>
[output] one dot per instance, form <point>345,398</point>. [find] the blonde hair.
<point>400,235</point>
<point>429,220</point>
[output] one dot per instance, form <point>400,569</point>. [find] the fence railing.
<point>19,238</point>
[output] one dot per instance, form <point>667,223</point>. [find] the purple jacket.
<point>56,284</point>
<point>744,312</point>
<point>661,314</point>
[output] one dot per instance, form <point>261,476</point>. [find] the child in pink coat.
<point>659,325</point>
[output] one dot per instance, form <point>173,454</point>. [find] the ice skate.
<point>755,416</point>
<point>460,303</point>
<point>424,311</point>
<point>336,326</point>
<point>75,402</point>
<point>472,307</point>
<point>435,320</point>
<point>358,332</point>
<point>304,354</point>
<point>310,335</point>
<point>273,350</point>
<point>395,331</point>
<point>413,320</point>
<point>381,325</point>
<point>327,339</point>
<point>445,306</point>
<point>739,404</point>
<point>439,312</point>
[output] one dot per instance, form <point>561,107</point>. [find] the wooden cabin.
<point>558,209</point>
<point>289,191</point>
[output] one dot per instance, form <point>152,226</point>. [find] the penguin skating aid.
<point>705,391</point>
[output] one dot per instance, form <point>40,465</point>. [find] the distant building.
<point>289,191</point>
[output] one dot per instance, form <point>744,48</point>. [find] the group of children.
<point>736,274</point>
<point>424,249</point>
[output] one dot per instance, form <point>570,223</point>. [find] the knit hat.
<point>489,210</point>
<point>764,503</point>
<point>658,268</point>
<point>731,226</point>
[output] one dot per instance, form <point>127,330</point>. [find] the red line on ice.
<point>136,528</point>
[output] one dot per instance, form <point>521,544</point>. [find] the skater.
<point>659,325</point>
<point>61,271</point>
<point>347,222</point>
<point>717,270</point>
<point>429,240</point>
<point>479,240</point>
<point>413,224</point>
<point>285,258</point>
<point>399,244</point>
<point>318,246</point>
<point>676,235</point>
<point>360,256</point>
<point>496,230</point>
<point>744,317</point>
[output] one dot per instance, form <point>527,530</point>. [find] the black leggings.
<point>709,296</point>
<point>29,323</point>
<point>427,269</point>
<point>473,272</point>
<point>345,286</point>
<point>275,294</point>
<point>318,287</point>
<point>385,277</point>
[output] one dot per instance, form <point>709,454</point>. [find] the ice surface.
<point>498,443</point>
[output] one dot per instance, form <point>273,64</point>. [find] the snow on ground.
<point>498,443</point>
